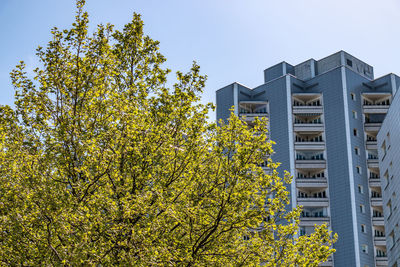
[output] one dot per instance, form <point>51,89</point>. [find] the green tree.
<point>100,163</point>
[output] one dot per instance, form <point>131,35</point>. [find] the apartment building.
<point>324,116</point>
<point>389,159</point>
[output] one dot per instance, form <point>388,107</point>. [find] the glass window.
<point>364,248</point>
<point>363,228</point>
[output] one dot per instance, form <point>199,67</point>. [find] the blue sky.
<point>232,40</point>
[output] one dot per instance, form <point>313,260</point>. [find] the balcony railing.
<point>373,163</point>
<point>372,127</point>
<point>310,164</point>
<point>261,111</point>
<point>311,221</point>
<point>307,122</point>
<point>376,201</point>
<point>378,221</point>
<point>307,109</point>
<point>312,104</point>
<point>311,182</point>
<point>374,182</point>
<point>380,241</point>
<point>313,201</point>
<point>381,261</point>
<point>376,109</point>
<point>312,215</point>
<point>309,140</point>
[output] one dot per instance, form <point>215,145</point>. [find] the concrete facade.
<point>324,117</point>
<point>389,156</point>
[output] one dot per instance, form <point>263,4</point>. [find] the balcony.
<point>309,145</point>
<point>249,110</point>
<point>376,201</point>
<point>376,103</point>
<point>311,182</point>
<point>250,117</point>
<point>311,221</point>
<point>311,164</point>
<point>313,201</point>
<point>376,109</point>
<point>372,126</point>
<point>308,127</point>
<point>374,182</point>
<point>378,221</point>
<point>371,144</point>
<point>381,261</point>
<point>380,241</point>
<point>307,109</point>
<point>373,163</point>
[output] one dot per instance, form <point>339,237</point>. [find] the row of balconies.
<point>309,120</point>
<point>374,111</point>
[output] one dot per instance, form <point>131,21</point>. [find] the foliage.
<point>100,163</point>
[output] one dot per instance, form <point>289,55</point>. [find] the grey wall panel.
<point>330,84</point>
<point>305,70</point>
<point>355,85</point>
<point>224,98</point>
<point>328,63</point>
<point>273,72</point>
<point>359,66</point>
<point>391,186</point>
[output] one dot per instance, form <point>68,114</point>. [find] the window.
<point>363,228</point>
<point>389,206</point>
<point>383,148</point>
<point>355,132</point>
<point>354,114</point>
<point>349,63</point>
<point>386,176</point>
<point>388,139</point>
<point>358,169</point>
<point>364,248</point>
<point>362,208</point>
<point>353,96</point>
<point>392,240</point>
<point>360,189</point>
<point>357,151</point>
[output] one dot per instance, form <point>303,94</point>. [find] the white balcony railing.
<point>313,201</point>
<point>378,221</point>
<point>372,127</point>
<point>311,182</point>
<point>307,109</point>
<point>376,201</point>
<point>311,221</point>
<point>309,145</point>
<point>311,164</point>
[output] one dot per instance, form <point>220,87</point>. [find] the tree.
<point>101,163</point>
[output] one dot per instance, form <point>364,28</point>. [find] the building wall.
<point>338,78</point>
<point>391,186</point>
<point>224,97</point>
<point>354,83</point>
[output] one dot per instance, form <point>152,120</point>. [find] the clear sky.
<point>232,40</point>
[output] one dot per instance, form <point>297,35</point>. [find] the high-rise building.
<point>324,116</point>
<point>389,157</point>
